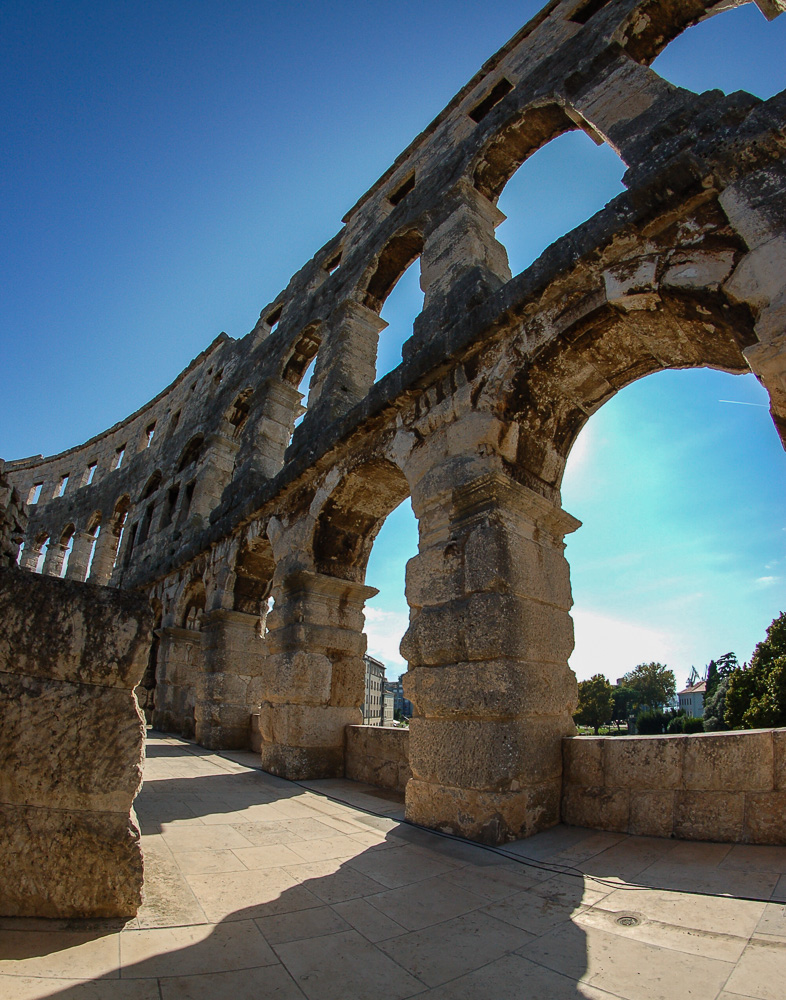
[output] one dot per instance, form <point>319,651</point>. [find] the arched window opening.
<point>399,253</point>
<point>191,452</point>
<point>403,304</point>
<point>734,50</point>
<point>118,525</point>
<point>42,546</point>
<point>94,529</point>
<point>152,485</point>
<point>67,544</point>
<point>299,368</point>
<point>679,483</point>
<point>573,178</point>
<point>254,579</point>
<point>239,410</point>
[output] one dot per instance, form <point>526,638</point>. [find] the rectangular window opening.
<point>586,10</point>
<point>171,503</point>
<point>494,96</point>
<point>333,264</point>
<point>119,456</point>
<point>174,421</point>
<point>35,493</point>
<point>402,191</point>
<point>149,432</point>
<point>90,473</point>
<point>273,317</point>
<point>61,487</point>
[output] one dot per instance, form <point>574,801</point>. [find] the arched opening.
<point>193,606</point>
<point>146,689</point>
<point>191,452</point>
<point>237,414</point>
<point>402,305</point>
<point>299,367</point>
<point>736,49</point>
<point>39,551</point>
<point>557,188</point>
<point>346,531</point>
<point>393,261</point>
<point>253,579</point>
<point>152,485</point>
<point>679,482</point>
<point>67,545</point>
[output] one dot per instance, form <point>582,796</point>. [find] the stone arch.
<point>302,354</point>
<point>191,606</point>
<point>352,516</point>
<point>191,453</point>
<point>237,414</point>
<point>153,483</point>
<point>388,266</point>
<point>519,138</point>
<point>254,570</point>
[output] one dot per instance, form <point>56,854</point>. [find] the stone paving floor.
<point>258,887</point>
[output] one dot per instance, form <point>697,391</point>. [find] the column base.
<point>223,727</point>
<point>484,816</point>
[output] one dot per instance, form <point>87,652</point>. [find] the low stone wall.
<point>72,744</point>
<point>728,787</point>
<point>378,755</point>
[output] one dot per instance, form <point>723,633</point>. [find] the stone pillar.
<point>347,361</point>
<point>30,556</point>
<point>104,558</point>
<point>488,644</point>
<point>314,674</point>
<point>274,426</point>
<point>179,666</point>
<point>80,556</point>
<point>53,560</point>
<point>214,474</point>
<point>226,692</point>
<point>462,261</point>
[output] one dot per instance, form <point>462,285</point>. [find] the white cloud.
<point>767,581</point>
<point>613,647</point>
<point>384,630</point>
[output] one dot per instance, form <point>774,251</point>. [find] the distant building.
<point>387,707</point>
<point>692,699</point>
<point>375,684</point>
<point>401,706</point>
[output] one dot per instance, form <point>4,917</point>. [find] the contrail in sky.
<point>740,402</point>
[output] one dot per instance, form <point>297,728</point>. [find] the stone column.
<point>214,474</point>
<point>179,666</point>
<point>347,361</point>
<point>30,556</point>
<point>53,560</point>
<point>226,692</point>
<point>104,558</point>
<point>80,556</point>
<point>488,643</point>
<point>274,426</point>
<point>462,263</point>
<point>314,674</point>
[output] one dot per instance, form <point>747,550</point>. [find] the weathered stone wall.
<point>13,520</point>
<point>72,744</point>
<point>378,755</point>
<point>729,787</point>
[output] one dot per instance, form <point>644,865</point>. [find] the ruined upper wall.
<point>222,435</point>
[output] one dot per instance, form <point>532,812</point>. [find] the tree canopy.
<point>596,705</point>
<point>756,695</point>
<point>654,683</point>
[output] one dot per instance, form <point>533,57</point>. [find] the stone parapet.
<point>728,787</point>
<point>378,755</point>
<point>72,745</point>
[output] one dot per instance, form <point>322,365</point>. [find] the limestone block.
<point>488,627</point>
<point>378,756</point>
<point>583,761</point>
<point>598,808</point>
<point>495,756</point>
<point>779,759</point>
<point>759,277</point>
<point>306,635</point>
<point>698,269</point>
<point>729,761</point>
<point>64,863</point>
<point>69,746</point>
<point>651,812</point>
<point>299,677</point>
<point>494,689</point>
<point>643,762</point>
<point>709,816</point>
<point>298,763</point>
<point>48,634</point>
<point>765,817</point>
<point>306,725</point>
<point>488,817</point>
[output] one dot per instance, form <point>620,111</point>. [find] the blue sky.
<point>167,167</point>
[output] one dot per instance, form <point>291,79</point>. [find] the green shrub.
<point>650,723</point>
<point>693,725</point>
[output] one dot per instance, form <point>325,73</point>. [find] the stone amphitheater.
<point>237,484</point>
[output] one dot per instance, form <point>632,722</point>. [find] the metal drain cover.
<point>628,921</point>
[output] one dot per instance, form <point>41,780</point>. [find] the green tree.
<point>655,684</point>
<point>596,705</point>
<point>724,666</point>
<point>625,700</point>
<point>756,695</point>
<point>715,707</point>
